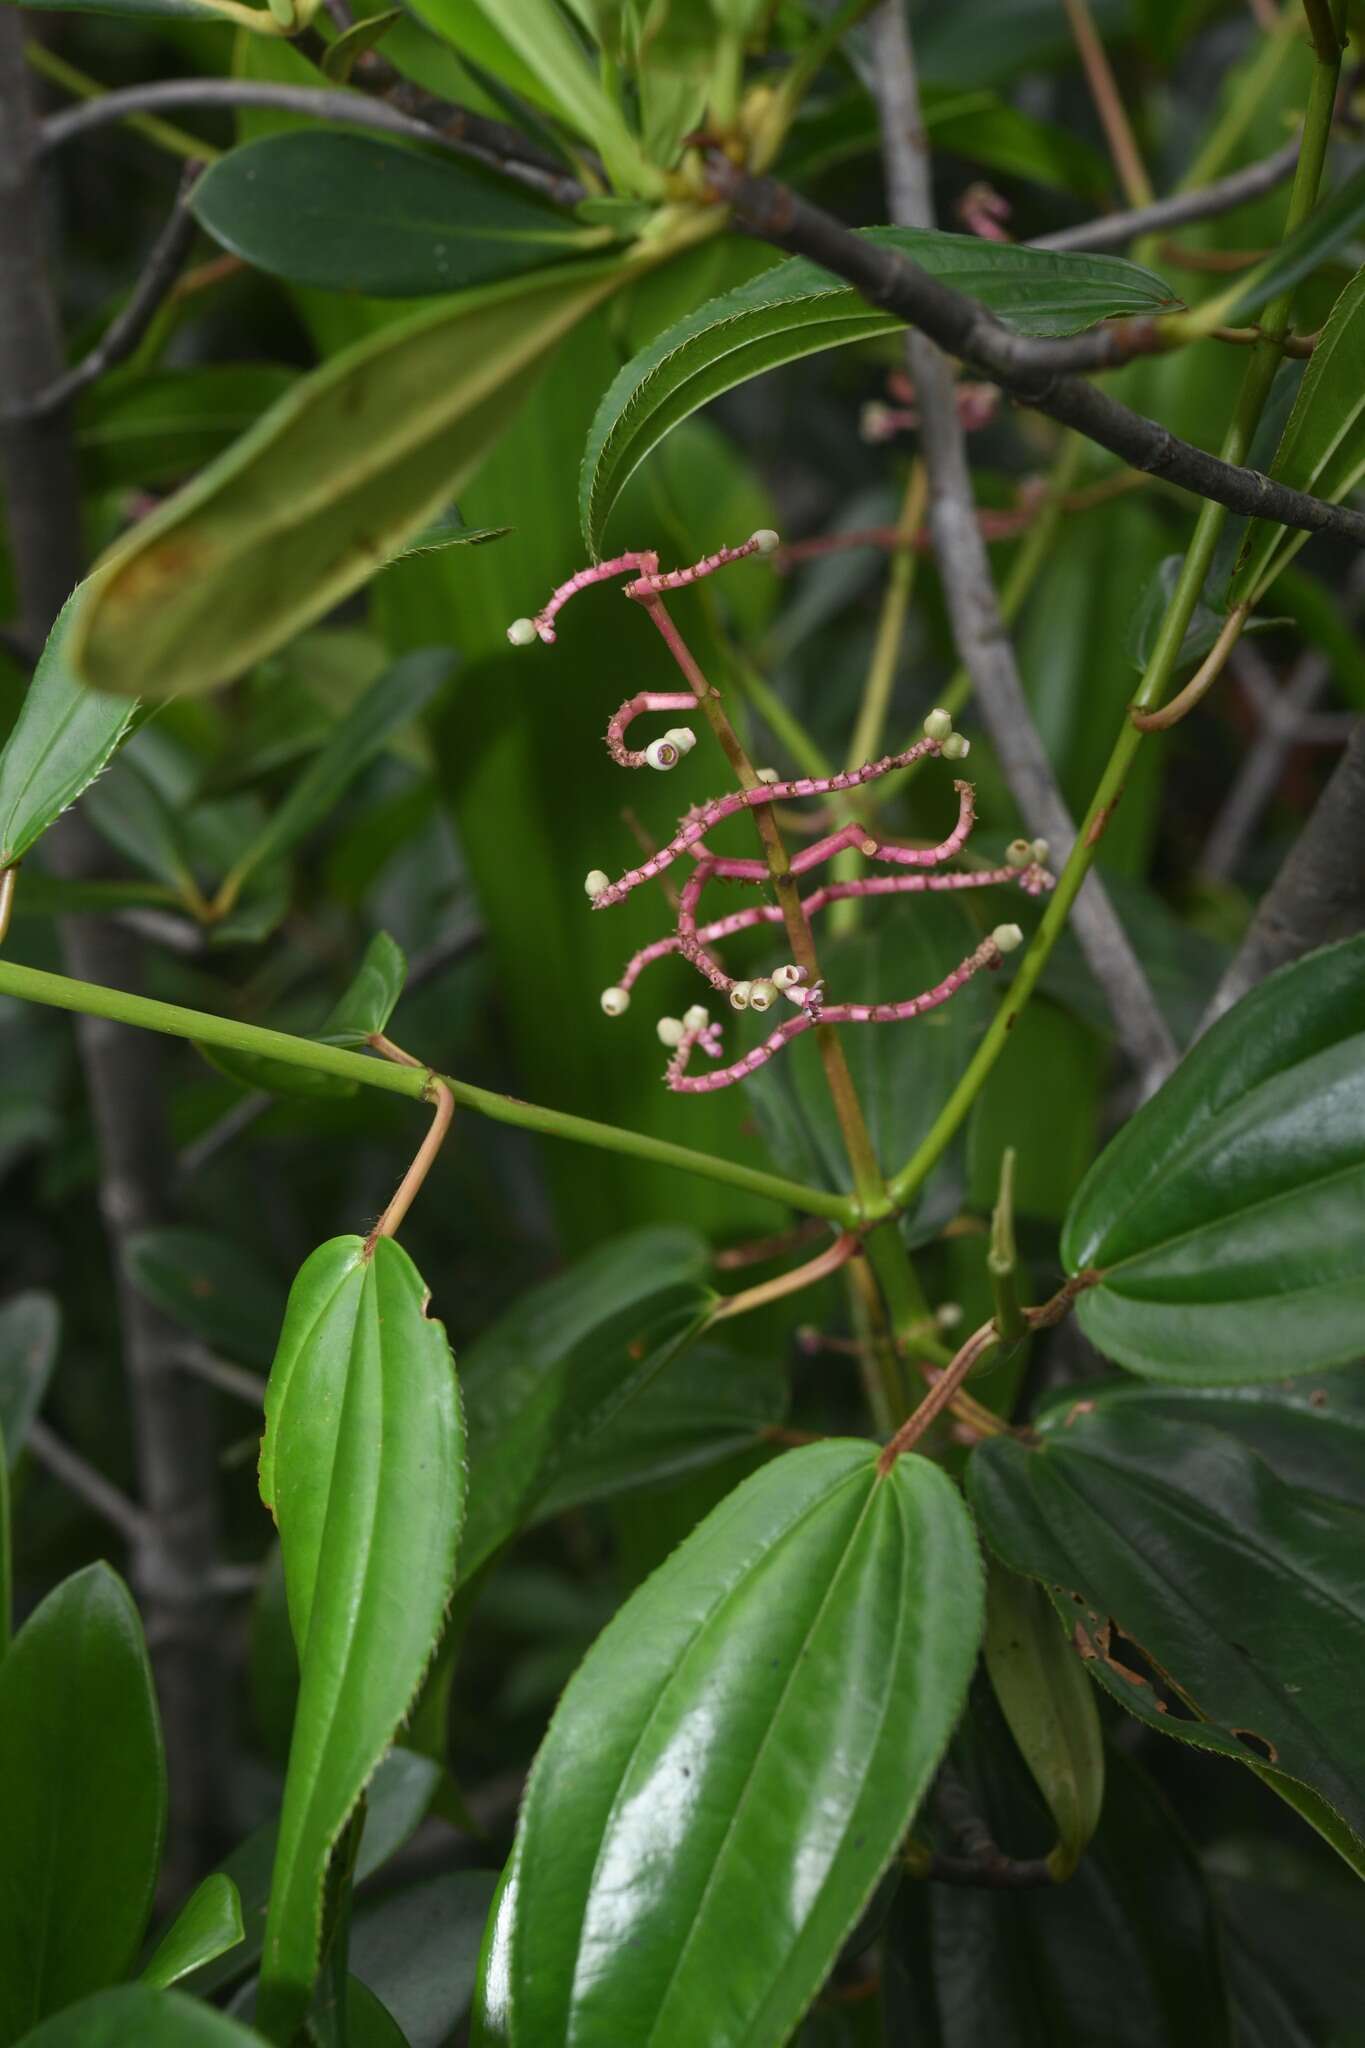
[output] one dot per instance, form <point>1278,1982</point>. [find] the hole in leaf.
<point>1261,1745</point>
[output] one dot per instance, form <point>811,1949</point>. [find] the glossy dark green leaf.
<point>418,1948</point>
<point>370,1001</point>
<point>355,213</point>
<point>153,427</point>
<point>740,1752</point>
<point>85,1798</point>
<point>64,735</point>
<point>1128,1952</point>
<point>1225,1217</point>
<point>594,1383</point>
<point>1325,231</point>
<point>362,1465</point>
<point>1310,1432</point>
<point>30,1328</point>
<point>397,1800</point>
<point>206,1927</point>
<point>1048,1704</point>
<point>136,2016</point>
<point>798,309</point>
<point>322,491</point>
<point>211,1285</point>
<point>391,702</point>
<point>1242,1598</point>
<point>1322,449</point>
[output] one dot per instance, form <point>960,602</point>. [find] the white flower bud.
<point>762,995</point>
<point>1018,853</point>
<point>1040,850</point>
<point>1007,938</point>
<point>670,1030</point>
<point>615,1001</point>
<point>768,775</point>
<point>739,995</point>
<point>766,541</point>
<point>662,754</point>
<point>956,748</point>
<point>787,977</point>
<point>948,1315</point>
<point>682,737</point>
<point>938,725</point>
<point>522,632</point>
<point>697,1018</point>
<point>594,882</point>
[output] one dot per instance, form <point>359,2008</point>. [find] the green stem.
<point>32,984</point>
<point>1256,384</point>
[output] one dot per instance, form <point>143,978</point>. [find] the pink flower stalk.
<point>983,211</point>
<point>693,941</point>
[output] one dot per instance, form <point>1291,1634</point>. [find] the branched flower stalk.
<point>794,982</point>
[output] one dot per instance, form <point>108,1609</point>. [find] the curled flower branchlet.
<point>915,868</point>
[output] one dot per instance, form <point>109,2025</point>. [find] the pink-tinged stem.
<point>643,700</point>
<point>600,572</point>
<point>1033,880</point>
<point>815,1011</point>
<point>651,583</point>
<point>705,817</point>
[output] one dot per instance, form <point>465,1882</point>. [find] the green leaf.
<point>798,309</point>
<point>212,1286</point>
<point>447,533</point>
<point>1128,1952</point>
<point>594,1384</point>
<point>1325,231</point>
<point>135,2016</point>
<point>257,19</point>
<point>152,427</point>
<point>362,1465</point>
<point>369,2023</point>
<point>85,1798</point>
<point>542,41</point>
<point>353,213</point>
<point>1322,450</point>
<point>418,1949</point>
<point>322,490</point>
<point>393,701</point>
<point>397,1800</point>
<point>741,1750</point>
<point>1048,1704</point>
<point>62,738</point>
<point>1224,1218</point>
<point>206,1927</point>
<point>338,60</point>
<point>1310,1432</point>
<point>130,811</point>
<point>974,125</point>
<point>372,997</point>
<point>30,1327</point>
<point>1239,1597</point>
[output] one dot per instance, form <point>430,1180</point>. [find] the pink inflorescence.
<point>918,869</point>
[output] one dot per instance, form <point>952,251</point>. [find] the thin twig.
<point>411,1184</point>
<point>1319,893</point>
<point>90,1486</point>
<point>1201,682</point>
<point>1182,209</point>
<point>1281,715</point>
<point>1031,371</point>
<point>135,316</point>
<point>466,133</point>
<point>236,1380</point>
<point>964,567</point>
<point>819,1268</point>
<point>1108,101</point>
<point>176,1545</point>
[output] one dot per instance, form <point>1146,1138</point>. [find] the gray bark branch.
<point>964,567</point>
